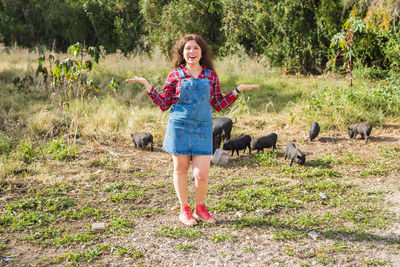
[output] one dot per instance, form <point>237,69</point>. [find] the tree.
<point>345,41</point>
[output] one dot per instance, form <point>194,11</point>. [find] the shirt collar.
<point>202,73</point>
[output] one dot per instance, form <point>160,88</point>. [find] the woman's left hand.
<point>247,86</point>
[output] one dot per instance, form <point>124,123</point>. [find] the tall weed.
<point>61,151</point>
<point>349,105</point>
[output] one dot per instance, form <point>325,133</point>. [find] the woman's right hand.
<point>141,81</point>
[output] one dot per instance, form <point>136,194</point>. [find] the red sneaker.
<point>186,216</point>
<point>201,213</point>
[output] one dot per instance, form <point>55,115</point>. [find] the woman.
<point>191,88</point>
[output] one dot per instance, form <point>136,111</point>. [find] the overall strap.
<point>181,74</point>
<point>207,73</point>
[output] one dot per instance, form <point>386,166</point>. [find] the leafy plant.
<point>71,75</point>
<point>268,158</point>
<point>27,150</point>
<point>61,151</point>
<point>345,41</point>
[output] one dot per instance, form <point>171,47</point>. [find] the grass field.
<point>66,164</point>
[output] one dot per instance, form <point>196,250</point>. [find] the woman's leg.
<point>181,166</point>
<point>201,168</point>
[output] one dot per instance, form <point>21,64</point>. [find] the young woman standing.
<point>192,88</point>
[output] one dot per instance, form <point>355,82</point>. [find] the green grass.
<point>177,232</point>
<point>307,173</point>
<point>218,238</point>
<point>267,159</point>
<point>119,226</point>
<point>284,234</point>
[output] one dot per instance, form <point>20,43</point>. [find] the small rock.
<point>322,195</point>
<point>314,235</point>
<point>99,227</point>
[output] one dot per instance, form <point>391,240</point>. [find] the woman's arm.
<point>164,100</point>
<point>219,101</point>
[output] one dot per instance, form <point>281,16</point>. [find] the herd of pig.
<point>222,127</point>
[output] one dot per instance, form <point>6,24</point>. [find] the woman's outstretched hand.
<point>247,86</point>
<point>141,81</point>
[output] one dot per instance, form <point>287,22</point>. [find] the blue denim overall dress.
<point>189,129</point>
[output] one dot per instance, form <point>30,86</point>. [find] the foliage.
<point>245,24</point>
<point>52,23</point>
<point>348,105</point>
<point>117,24</point>
<point>7,143</point>
<point>294,35</point>
<point>345,41</point>
<point>61,151</point>
<point>72,74</point>
<point>27,151</point>
<point>167,21</point>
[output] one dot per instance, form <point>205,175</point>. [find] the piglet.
<point>142,139</point>
<point>216,141</point>
<point>294,154</point>
<point>314,130</point>
<point>238,144</point>
<point>265,142</point>
<point>222,126</point>
<point>364,129</point>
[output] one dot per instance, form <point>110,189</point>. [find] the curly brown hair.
<point>206,53</point>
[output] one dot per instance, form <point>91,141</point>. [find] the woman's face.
<point>192,52</point>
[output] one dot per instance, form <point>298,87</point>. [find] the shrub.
<point>349,105</point>
<point>61,151</point>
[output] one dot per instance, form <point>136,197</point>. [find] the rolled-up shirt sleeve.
<point>217,100</point>
<point>166,98</point>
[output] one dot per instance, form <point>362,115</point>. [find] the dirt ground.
<point>221,244</point>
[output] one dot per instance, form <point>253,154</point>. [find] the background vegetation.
<point>295,35</point>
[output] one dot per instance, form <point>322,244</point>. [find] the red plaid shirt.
<point>172,89</point>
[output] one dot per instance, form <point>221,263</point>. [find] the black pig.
<point>142,139</point>
<point>314,130</point>
<point>222,126</point>
<point>294,154</point>
<point>216,142</point>
<point>238,144</point>
<point>265,142</point>
<point>364,129</point>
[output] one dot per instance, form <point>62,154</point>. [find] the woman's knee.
<point>200,175</point>
<point>181,164</point>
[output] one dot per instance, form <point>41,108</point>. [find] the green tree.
<point>167,21</point>
<point>43,22</point>
<point>345,40</point>
<point>118,24</point>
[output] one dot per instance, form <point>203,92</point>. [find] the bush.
<point>348,105</point>
<point>61,151</point>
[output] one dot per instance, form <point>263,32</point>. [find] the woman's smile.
<point>192,52</point>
